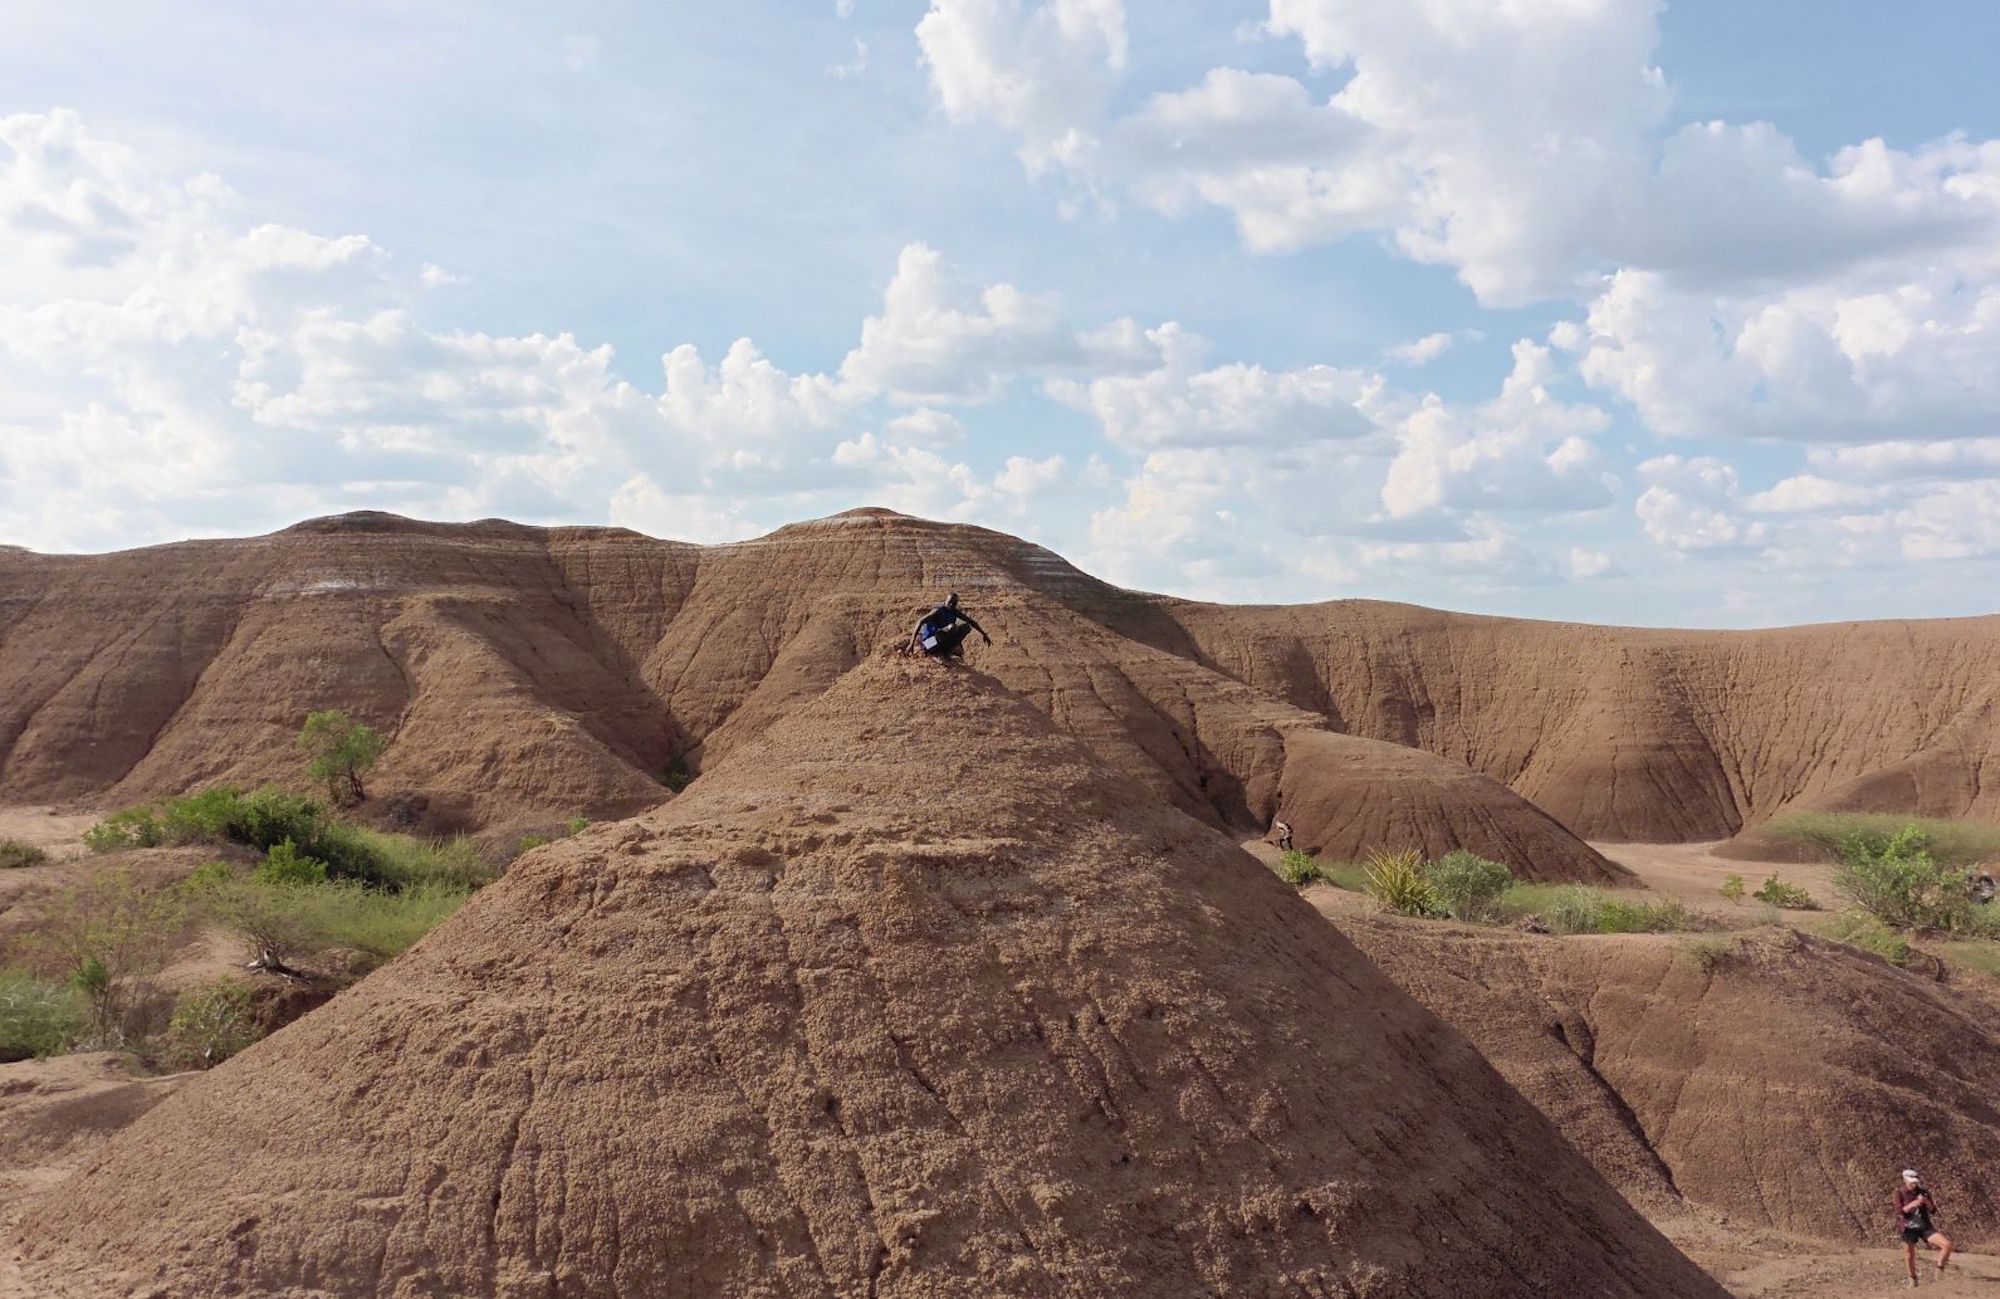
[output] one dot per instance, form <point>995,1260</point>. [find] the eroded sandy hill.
<point>551,672</point>
<point>864,1015</point>
<point>540,674</point>
<point>1635,735</point>
<point>1775,1076</point>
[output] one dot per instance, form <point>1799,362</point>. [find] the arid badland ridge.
<point>521,671</point>
<point>853,1016</point>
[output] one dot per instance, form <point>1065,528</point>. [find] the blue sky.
<point>1591,309</point>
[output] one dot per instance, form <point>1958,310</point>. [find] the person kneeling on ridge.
<point>943,630</point>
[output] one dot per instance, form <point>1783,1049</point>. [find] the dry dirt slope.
<point>854,1018</point>
<point>523,672</point>
<point>1778,1077</point>
<point>1628,734</point>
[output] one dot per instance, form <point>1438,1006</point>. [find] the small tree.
<point>107,936</point>
<point>278,922</point>
<point>341,750</point>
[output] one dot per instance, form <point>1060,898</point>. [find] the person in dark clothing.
<point>1916,1209</point>
<point>942,631</point>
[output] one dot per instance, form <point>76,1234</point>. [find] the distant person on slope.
<point>943,630</point>
<point>1915,1209</point>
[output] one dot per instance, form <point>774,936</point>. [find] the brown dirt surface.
<point>909,996</point>
<point>1778,1078</point>
<point>56,832</point>
<point>51,1113</point>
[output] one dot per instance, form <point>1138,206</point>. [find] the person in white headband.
<point>1916,1214</point>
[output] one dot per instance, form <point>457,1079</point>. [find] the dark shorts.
<point>947,642</point>
<point>1918,1235</point>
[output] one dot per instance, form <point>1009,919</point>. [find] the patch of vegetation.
<point>287,866</point>
<point>14,853</point>
<point>106,936</point>
<point>1788,897</point>
<point>1981,955</point>
<point>1857,929</point>
<point>38,1017</point>
<point>286,919</point>
<point>576,825</point>
<point>382,926</point>
<point>530,842</point>
<point>261,820</point>
<point>1298,868</point>
<point>409,862</point>
<point>1956,843</point>
<point>341,751</point>
<point>1709,954</point>
<point>1466,886</point>
<point>1904,884</point>
<point>1582,909</point>
<point>1396,880</point>
<point>1732,889</point>
<point>677,777</point>
<point>210,1024</point>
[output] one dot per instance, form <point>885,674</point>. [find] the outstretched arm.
<point>976,627</point>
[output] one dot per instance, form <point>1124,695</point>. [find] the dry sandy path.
<point>1693,873</point>
<point>57,833</point>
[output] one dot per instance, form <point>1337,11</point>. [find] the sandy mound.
<point>1345,796</point>
<point>52,1109</point>
<point>1775,1076</point>
<point>910,997</point>
<point>527,675</point>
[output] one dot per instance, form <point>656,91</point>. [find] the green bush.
<point>210,1024</point>
<point>530,842</point>
<point>1903,884</point>
<point>261,820</point>
<point>1298,868</point>
<point>38,1017</point>
<point>1466,886</point>
<point>135,827</point>
<point>1574,910</point>
<point>1788,896</point>
<point>14,853</point>
<point>1396,880</point>
<point>287,866</point>
<point>576,825</point>
<point>1732,889</point>
<point>677,777</point>
<point>270,816</point>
